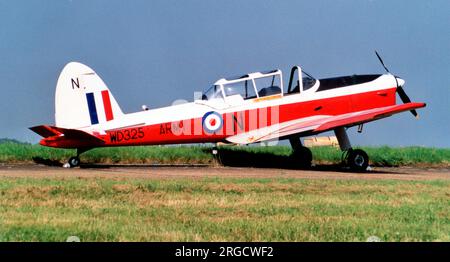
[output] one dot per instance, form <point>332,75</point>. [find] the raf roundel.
<point>212,122</point>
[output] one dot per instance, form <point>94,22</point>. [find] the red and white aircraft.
<point>248,109</point>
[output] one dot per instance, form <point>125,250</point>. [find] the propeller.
<point>401,92</point>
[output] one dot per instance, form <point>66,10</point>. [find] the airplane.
<point>242,110</point>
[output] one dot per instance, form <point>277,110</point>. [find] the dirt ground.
<point>197,172</point>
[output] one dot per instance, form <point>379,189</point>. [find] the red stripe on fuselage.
<point>107,105</point>
<point>287,112</point>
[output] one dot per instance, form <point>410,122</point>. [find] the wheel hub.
<point>359,160</point>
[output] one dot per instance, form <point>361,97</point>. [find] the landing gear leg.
<point>301,156</point>
<point>75,160</point>
<point>356,159</point>
<point>216,155</point>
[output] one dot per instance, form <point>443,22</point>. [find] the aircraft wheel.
<point>358,160</point>
<point>74,161</point>
<point>302,157</point>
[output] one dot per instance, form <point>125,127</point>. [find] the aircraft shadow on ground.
<point>47,162</point>
<point>236,158</point>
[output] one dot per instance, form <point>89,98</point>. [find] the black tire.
<point>74,161</point>
<point>358,160</point>
<point>302,157</point>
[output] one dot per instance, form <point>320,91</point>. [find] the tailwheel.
<point>74,161</point>
<point>302,157</point>
<point>357,160</point>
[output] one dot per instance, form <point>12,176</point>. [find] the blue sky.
<point>153,52</point>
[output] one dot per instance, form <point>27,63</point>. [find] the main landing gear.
<point>75,160</point>
<point>356,159</point>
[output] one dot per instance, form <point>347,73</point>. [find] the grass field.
<point>380,156</point>
<point>223,209</point>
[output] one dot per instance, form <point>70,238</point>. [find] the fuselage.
<point>185,123</point>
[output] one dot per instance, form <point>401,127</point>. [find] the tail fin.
<point>82,99</point>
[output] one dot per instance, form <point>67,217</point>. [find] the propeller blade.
<point>381,61</point>
<point>404,97</point>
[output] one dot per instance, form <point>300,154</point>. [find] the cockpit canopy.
<point>260,84</point>
<point>254,85</point>
<point>213,92</point>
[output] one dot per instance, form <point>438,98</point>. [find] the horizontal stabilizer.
<point>74,134</point>
<point>79,135</point>
<point>44,131</point>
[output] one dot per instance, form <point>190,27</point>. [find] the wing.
<point>318,124</point>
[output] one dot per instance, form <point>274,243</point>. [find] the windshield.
<point>213,92</point>
<point>244,88</point>
<point>308,80</point>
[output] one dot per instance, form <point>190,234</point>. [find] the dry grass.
<point>223,210</point>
